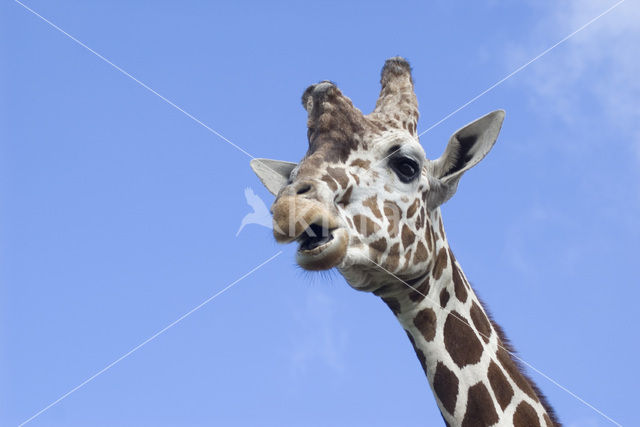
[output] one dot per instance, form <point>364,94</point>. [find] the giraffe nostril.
<point>304,189</point>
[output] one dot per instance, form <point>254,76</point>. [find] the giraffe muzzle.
<point>322,242</point>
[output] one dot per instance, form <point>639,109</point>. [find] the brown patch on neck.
<point>458,285</point>
<point>445,386</point>
<point>421,253</point>
<point>516,372</point>
<point>444,297</point>
<point>393,257</point>
<point>407,257</point>
<point>501,387</point>
<point>379,245</point>
<point>525,416</point>
<point>429,235</point>
<point>547,421</point>
<point>425,322</point>
<point>461,342</point>
<point>441,263</point>
<point>481,322</point>
<point>407,236</point>
<point>480,409</point>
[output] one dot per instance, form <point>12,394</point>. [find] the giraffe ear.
<point>465,149</point>
<point>274,174</point>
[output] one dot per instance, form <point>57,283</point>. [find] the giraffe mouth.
<point>314,237</point>
<point>321,248</point>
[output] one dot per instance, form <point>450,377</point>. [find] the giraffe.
<point>366,200</point>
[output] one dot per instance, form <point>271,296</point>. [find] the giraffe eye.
<point>406,168</point>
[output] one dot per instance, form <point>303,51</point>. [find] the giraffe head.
<point>365,190</point>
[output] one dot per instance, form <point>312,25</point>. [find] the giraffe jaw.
<point>322,253</point>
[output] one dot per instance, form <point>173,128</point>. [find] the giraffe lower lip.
<point>322,253</point>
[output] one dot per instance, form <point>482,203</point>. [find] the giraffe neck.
<point>463,353</point>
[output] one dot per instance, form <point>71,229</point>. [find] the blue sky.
<point>119,213</point>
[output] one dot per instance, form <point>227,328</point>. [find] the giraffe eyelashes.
<point>406,168</point>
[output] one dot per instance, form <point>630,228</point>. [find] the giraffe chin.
<point>326,255</point>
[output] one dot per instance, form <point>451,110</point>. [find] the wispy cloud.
<point>595,73</point>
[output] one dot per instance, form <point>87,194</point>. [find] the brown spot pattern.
<point>407,236</point>
<point>525,416</point>
<point>394,214</point>
<point>435,236</point>
<point>480,321</point>
<point>425,321</point>
<point>444,298</point>
<point>407,257</point>
<point>461,342</point>
<point>480,410</point>
<point>429,239</point>
<point>379,245</point>
<point>512,369</point>
<point>501,387</point>
<point>413,208</point>
<point>393,257</point>
<point>421,253</point>
<point>547,420</point>
<point>458,285</point>
<point>365,225</point>
<point>445,385</point>
<point>372,204</point>
<point>441,263</point>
